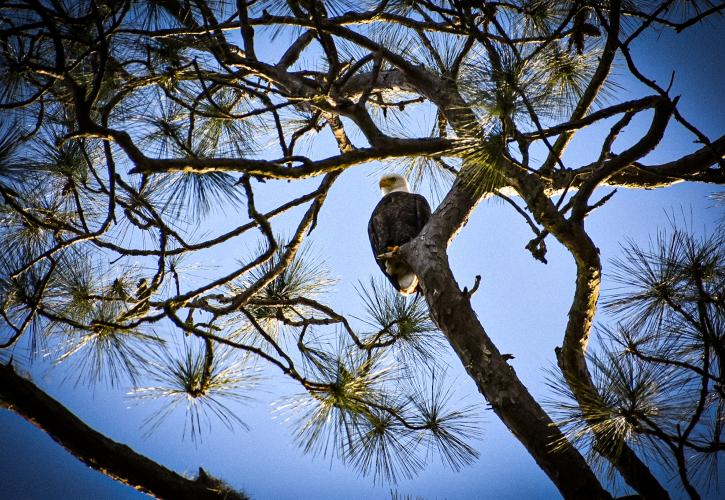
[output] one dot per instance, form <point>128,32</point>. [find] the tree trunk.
<point>495,379</point>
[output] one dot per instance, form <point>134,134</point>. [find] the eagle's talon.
<point>385,256</point>
<point>391,252</point>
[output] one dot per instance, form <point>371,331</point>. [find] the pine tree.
<point>127,124</point>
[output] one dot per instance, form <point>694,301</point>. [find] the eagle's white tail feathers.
<point>401,273</point>
<point>407,283</point>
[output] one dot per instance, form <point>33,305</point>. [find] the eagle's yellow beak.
<point>386,182</point>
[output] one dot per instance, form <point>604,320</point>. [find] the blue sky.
<point>521,303</point>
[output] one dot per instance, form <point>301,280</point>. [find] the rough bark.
<point>116,460</point>
<point>572,361</point>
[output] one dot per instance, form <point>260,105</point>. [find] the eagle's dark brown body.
<point>397,219</point>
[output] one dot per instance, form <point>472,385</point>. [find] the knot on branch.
<point>537,247</point>
<point>468,294</point>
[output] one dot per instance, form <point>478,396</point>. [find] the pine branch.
<point>116,460</point>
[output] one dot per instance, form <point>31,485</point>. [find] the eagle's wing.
<point>378,232</point>
<point>423,212</point>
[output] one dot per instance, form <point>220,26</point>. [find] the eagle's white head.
<point>389,183</point>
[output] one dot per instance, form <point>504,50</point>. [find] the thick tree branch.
<point>495,379</point>
<point>571,356</point>
<point>116,460</point>
<point>698,166</point>
<point>278,168</point>
<point>593,88</point>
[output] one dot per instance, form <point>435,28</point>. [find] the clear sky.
<point>521,303</point>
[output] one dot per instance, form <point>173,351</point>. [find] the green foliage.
<point>369,412</point>
<point>306,276</point>
<point>663,286</point>
<point>282,299</point>
<point>201,381</point>
<point>402,323</point>
<point>451,426</point>
<point>126,124</point>
<point>549,81</point>
<point>102,350</point>
<point>627,391</point>
<point>481,169</point>
<point>86,320</point>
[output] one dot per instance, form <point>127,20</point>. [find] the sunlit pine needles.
<point>200,192</point>
<point>368,414</point>
<point>348,419</point>
<point>88,320</point>
<point>659,289</point>
<point>186,382</point>
<point>306,276</point>
<point>627,393</point>
<point>330,417</point>
<point>401,323</point>
<point>665,350</point>
<point>449,426</point>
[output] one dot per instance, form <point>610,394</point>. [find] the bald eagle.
<point>397,219</point>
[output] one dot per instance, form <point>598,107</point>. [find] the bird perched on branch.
<point>397,219</point>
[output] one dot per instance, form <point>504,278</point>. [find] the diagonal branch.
<point>116,460</point>
<point>572,355</point>
<point>495,378</point>
<point>595,86</point>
